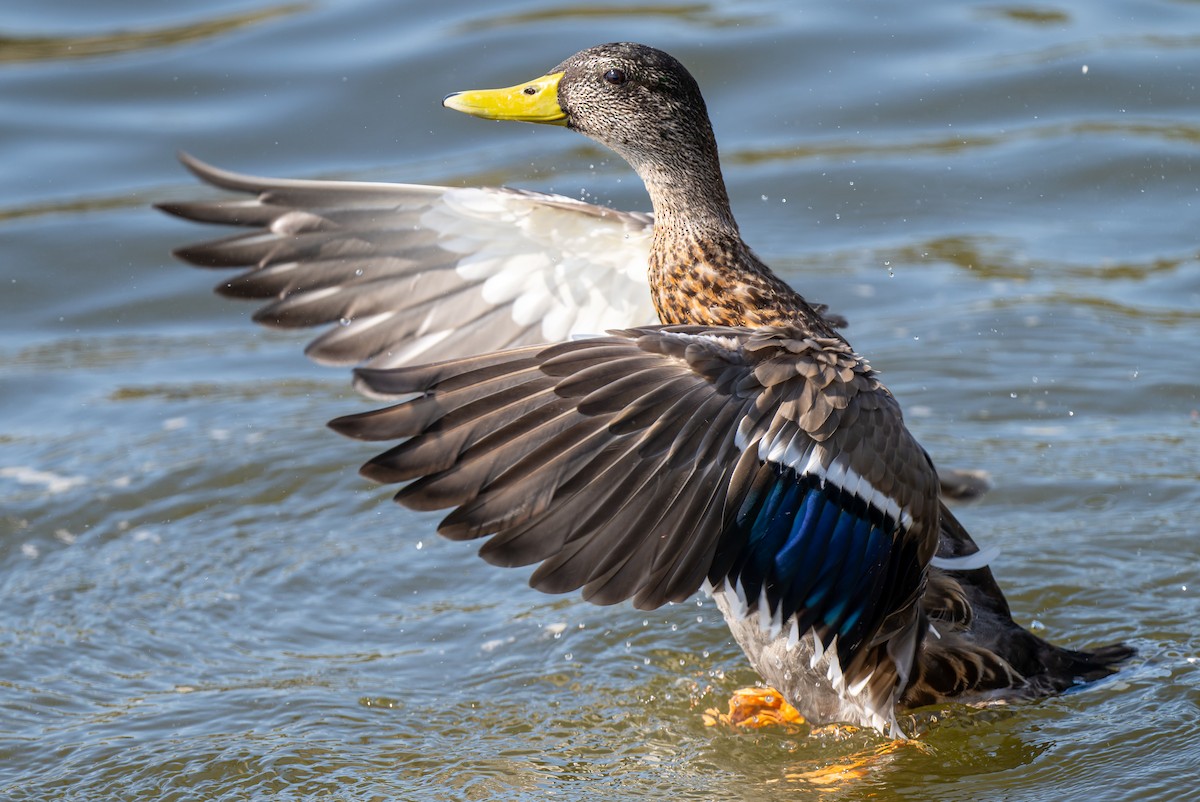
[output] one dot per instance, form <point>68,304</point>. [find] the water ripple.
<point>18,49</point>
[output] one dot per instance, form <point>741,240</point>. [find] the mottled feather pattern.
<point>945,600</point>
<point>719,281</point>
<point>643,463</point>
<point>951,667</point>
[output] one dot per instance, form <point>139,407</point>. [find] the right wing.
<point>408,273</point>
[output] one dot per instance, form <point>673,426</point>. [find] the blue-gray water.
<point>199,597</point>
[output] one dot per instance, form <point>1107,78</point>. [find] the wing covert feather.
<point>640,464</point>
<point>398,270</point>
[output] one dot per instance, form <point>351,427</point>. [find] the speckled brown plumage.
<point>720,282</point>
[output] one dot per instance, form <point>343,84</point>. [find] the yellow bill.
<point>531,102</point>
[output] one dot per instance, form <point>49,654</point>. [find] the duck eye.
<point>615,76</point>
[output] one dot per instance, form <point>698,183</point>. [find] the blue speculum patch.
<point>820,552</point>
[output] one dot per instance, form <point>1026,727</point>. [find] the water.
<point>201,599</point>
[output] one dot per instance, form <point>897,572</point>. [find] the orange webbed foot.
<point>754,708</point>
<point>856,766</point>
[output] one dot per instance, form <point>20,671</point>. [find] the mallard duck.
<point>722,435</point>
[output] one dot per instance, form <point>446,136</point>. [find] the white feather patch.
<point>834,672</point>
<point>793,636</point>
<point>567,264</point>
<point>857,688</point>
<point>845,478</point>
<point>735,598</point>
<point>968,562</point>
<point>764,610</point>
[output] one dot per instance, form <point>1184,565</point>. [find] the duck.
<point>722,436</point>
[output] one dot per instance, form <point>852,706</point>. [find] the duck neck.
<point>700,270</point>
<point>698,263</point>
<point>686,186</point>
<point>690,203</point>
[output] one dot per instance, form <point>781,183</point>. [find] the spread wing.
<point>403,273</point>
<point>640,464</point>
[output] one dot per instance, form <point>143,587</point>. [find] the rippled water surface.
<point>199,597</point>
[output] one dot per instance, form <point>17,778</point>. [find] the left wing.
<point>640,464</point>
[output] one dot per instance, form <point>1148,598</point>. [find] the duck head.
<point>636,100</point>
